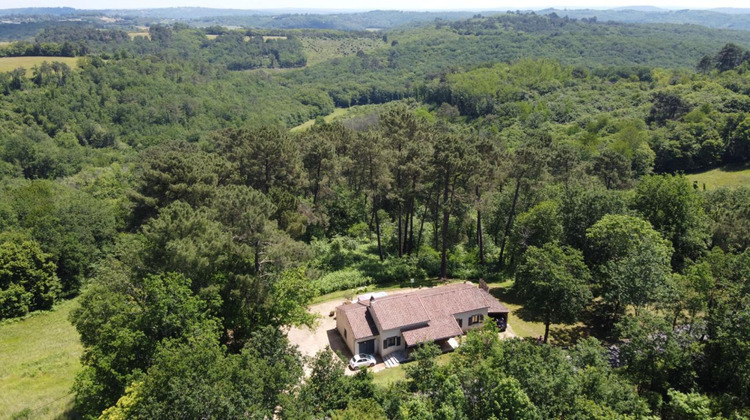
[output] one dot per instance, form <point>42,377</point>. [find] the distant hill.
<point>641,8</point>
<point>731,11</point>
<point>48,11</point>
<point>378,19</point>
<point>724,18</point>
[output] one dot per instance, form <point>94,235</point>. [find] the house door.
<point>367,347</point>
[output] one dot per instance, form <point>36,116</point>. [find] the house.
<point>384,324</point>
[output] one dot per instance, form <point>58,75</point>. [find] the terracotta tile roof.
<point>438,329</point>
<point>359,319</point>
<point>493,305</point>
<point>452,300</point>
<point>399,311</point>
<point>435,306</point>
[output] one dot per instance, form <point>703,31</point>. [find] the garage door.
<point>367,347</point>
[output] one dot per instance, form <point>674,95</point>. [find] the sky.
<point>372,4</point>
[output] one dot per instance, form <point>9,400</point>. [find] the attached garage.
<point>367,347</point>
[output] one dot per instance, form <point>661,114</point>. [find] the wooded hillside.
<point>159,182</point>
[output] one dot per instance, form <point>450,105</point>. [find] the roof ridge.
<point>424,309</point>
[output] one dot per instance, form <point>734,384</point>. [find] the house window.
<point>475,319</point>
<point>345,333</point>
<point>460,322</point>
<point>391,341</point>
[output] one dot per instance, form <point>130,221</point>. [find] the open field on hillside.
<point>726,176</point>
<point>132,35</point>
<point>39,357</point>
<point>319,50</point>
<point>337,113</point>
<point>12,63</point>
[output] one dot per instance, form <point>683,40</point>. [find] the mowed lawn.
<point>726,176</point>
<point>388,376</point>
<point>39,357</point>
<point>12,63</point>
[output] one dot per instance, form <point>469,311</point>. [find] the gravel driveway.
<point>310,342</point>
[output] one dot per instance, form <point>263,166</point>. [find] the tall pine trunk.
<point>421,221</point>
<point>480,234</point>
<point>400,230</point>
<point>509,224</point>
<point>377,229</point>
<point>480,237</point>
<point>446,219</point>
<point>410,233</point>
<point>436,222</point>
<point>407,219</point>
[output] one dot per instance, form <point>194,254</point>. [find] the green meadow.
<point>39,357</point>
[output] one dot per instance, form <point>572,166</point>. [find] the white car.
<point>361,360</point>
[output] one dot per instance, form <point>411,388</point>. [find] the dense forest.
<point>159,184</point>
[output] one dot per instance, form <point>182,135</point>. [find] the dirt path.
<point>508,333</point>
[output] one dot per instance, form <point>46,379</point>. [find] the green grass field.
<point>319,50</point>
<point>337,113</point>
<point>395,374</point>
<point>726,176</point>
<point>12,63</point>
<point>39,357</point>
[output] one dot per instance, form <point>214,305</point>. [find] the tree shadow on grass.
<point>70,414</point>
<point>730,167</point>
<point>527,315</point>
<point>506,294</point>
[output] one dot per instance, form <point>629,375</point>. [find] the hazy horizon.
<point>368,5</point>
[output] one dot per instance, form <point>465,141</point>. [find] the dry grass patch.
<point>12,63</point>
<point>133,35</point>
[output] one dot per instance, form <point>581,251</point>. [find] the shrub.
<point>463,264</point>
<point>342,280</point>
<point>27,276</point>
<point>395,270</point>
<point>429,260</point>
<point>14,301</point>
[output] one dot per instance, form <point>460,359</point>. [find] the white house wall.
<point>342,326</point>
<point>465,316</point>
<point>388,334</point>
